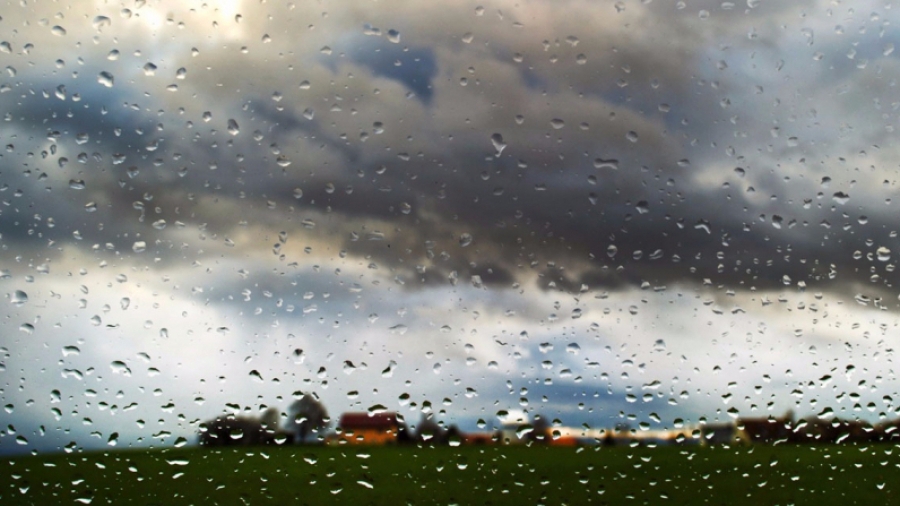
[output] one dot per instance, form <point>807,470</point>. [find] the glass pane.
<point>417,251</point>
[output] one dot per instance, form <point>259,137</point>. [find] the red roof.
<point>377,421</point>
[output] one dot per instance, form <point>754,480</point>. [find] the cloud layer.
<point>590,210</point>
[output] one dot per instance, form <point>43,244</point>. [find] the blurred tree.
<point>269,420</point>
<point>307,416</point>
<point>540,432</point>
<point>229,430</point>
<point>429,431</point>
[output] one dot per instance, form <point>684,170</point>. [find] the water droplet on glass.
<point>106,79</point>
<point>18,298</point>
<point>465,239</point>
<point>393,36</point>
<point>58,31</point>
<point>139,246</point>
<point>557,123</point>
<point>497,141</point>
<point>612,163</point>
<point>233,127</point>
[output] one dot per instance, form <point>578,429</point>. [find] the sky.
<point>643,212</point>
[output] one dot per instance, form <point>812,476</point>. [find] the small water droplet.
<point>101,22</point>
<point>18,298</point>
<point>612,163</point>
<point>233,127</point>
<point>106,79</point>
<point>499,144</point>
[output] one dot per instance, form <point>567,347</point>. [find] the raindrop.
<point>557,123</point>
<point>101,22</point>
<point>58,31</point>
<point>393,36</point>
<point>497,141</point>
<point>465,239</point>
<point>233,127</point>
<point>139,247</point>
<point>612,163</point>
<point>119,367</point>
<point>18,298</point>
<point>106,79</point>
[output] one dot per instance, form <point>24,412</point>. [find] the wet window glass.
<point>553,252</point>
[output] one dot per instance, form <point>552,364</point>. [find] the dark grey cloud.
<point>415,68</point>
<point>717,154</point>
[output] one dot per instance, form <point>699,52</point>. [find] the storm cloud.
<point>445,189</point>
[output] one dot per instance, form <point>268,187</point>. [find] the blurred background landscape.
<point>645,215</point>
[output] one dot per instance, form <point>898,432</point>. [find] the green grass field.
<point>756,475</point>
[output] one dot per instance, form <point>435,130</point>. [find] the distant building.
<point>371,429</point>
